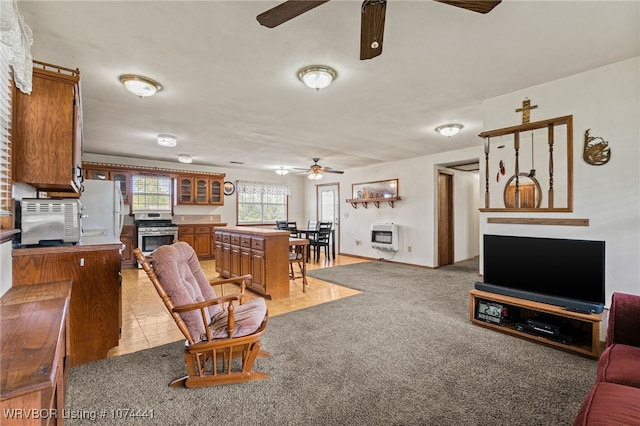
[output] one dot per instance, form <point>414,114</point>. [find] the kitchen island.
<point>93,267</point>
<point>263,253</point>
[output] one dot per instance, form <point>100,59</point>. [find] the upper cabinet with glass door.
<point>200,190</point>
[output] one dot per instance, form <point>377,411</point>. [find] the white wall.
<point>415,214</point>
<point>607,101</point>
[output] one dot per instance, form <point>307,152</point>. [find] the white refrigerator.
<point>102,208</point>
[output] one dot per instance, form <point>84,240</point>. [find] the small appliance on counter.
<point>52,221</point>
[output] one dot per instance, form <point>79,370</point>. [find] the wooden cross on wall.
<point>526,110</point>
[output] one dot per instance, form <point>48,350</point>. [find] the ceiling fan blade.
<point>287,10</point>
<point>372,28</point>
<point>332,171</point>
<point>480,6</point>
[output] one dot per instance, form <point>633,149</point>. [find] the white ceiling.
<point>231,92</point>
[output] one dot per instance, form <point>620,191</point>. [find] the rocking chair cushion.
<point>248,318</point>
<point>178,268</point>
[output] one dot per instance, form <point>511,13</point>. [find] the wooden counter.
<point>95,307</point>
<point>34,323</point>
<point>263,253</point>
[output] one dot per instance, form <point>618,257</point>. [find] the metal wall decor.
<point>596,150</point>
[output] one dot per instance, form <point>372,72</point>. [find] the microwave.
<point>47,221</point>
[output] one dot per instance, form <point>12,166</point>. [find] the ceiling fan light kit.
<point>317,76</point>
<point>168,141</point>
<point>449,130</point>
<point>139,85</point>
<point>315,176</point>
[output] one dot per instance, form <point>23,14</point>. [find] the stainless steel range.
<point>154,230</point>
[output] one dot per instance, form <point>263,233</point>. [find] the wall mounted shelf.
<point>376,201</point>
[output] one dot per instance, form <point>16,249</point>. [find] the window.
<point>261,202</point>
<point>6,201</point>
<point>151,193</point>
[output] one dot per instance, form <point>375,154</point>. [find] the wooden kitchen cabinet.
<point>184,190</point>
<point>202,242</point>
<point>123,178</point>
<point>96,174</point>
<point>95,307</point>
<point>263,253</point>
<point>201,238</point>
<point>200,190</point>
<point>47,131</point>
<point>129,239</point>
<point>186,233</point>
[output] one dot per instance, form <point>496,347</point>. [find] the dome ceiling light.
<point>449,130</point>
<point>185,158</point>
<point>282,171</point>
<point>168,141</point>
<point>139,85</point>
<point>317,76</point>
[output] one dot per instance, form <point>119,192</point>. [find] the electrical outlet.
<point>211,218</point>
<point>409,249</point>
<point>181,218</point>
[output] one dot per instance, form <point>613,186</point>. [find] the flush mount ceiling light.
<point>282,171</point>
<point>449,129</point>
<point>139,85</point>
<point>167,140</point>
<point>185,158</point>
<point>315,175</point>
<point>317,76</point>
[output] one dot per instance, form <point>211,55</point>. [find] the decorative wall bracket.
<point>376,202</point>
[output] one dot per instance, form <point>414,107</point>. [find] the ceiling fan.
<point>315,170</point>
<point>372,20</point>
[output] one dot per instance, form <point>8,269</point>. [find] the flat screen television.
<point>563,272</point>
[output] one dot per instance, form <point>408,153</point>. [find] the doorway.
<point>445,219</point>
<point>328,207</point>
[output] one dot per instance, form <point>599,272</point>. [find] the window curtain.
<point>245,187</point>
<point>18,38</point>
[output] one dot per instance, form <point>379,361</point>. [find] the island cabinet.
<point>263,253</point>
<point>47,131</point>
<point>95,306</point>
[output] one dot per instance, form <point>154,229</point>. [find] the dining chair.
<point>293,229</point>
<point>320,239</point>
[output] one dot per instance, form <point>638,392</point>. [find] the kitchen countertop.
<point>105,242</point>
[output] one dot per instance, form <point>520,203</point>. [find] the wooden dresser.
<point>35,341</point>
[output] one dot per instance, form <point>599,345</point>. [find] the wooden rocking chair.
<point>223,333</point>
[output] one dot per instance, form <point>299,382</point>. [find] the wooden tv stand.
<point>585,328</point>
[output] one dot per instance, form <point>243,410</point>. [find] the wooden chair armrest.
<point>243,279</point>
<point>206,303</point>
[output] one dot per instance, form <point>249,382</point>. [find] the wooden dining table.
<point>306,233</point>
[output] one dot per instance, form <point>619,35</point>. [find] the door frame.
<point>445,224</point>
<point>336,219</point>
